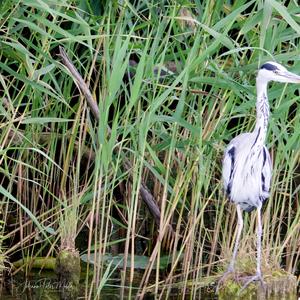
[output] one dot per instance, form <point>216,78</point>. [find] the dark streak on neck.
<point>258,132</point>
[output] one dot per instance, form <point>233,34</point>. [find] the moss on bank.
<point>68,271</point>
<point>278,285</point>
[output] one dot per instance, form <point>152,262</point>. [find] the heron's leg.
<point>258,275</point>
<point>259,236</point>
<point>236,246</point>
<point>237,239</point>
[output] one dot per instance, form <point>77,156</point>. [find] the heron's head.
<point>272,71</point>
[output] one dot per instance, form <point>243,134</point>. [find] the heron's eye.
<point>276,71</point>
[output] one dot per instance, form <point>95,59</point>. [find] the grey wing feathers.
<point>246,174</point>
<point>228,168</point>
<point>266,173</point>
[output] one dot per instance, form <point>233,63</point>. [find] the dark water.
<point>46,286</point>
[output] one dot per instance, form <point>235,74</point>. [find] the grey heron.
<point>247,167</point>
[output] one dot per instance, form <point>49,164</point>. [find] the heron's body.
<point>247,168</point>
<point>247,171</point>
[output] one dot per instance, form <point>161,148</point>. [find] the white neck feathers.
<point>262,110</point>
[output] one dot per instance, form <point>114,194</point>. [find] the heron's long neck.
<point>262,112</point>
